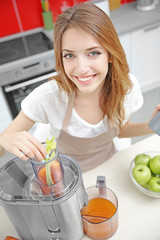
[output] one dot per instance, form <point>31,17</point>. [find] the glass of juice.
<point>100,216</point>
<point>49,174</point>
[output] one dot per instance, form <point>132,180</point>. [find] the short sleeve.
<point>134,99</point>
<point>34,106</point>
<point>46,104</point>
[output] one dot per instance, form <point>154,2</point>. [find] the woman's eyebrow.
<point>95,47</point>
<point>67,50</point>
<point>88,49</point>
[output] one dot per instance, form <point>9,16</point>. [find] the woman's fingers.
<point>156,110</point>
<point>24,145</point>
<point>19,153</point>
<point>37,147</point>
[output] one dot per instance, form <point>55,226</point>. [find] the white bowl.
<point>139,187</point>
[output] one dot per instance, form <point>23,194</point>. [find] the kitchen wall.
<point>22,15</point>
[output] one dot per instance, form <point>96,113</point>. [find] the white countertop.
<point>139,215</point>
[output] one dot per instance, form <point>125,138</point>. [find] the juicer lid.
<point>18,182</point>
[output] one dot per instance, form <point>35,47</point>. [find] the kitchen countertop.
<point>127,18</point>
<point>138,214</point>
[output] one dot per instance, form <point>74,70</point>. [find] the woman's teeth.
<point>84,79</point>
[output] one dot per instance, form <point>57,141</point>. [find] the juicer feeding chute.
<point>36,216</point>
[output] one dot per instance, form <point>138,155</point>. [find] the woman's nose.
<point>82,65</point>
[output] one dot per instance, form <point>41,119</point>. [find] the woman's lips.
<point>86,79</point>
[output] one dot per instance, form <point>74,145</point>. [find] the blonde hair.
<point>93,20</point>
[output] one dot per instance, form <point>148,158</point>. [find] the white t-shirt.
<point>47,104</point>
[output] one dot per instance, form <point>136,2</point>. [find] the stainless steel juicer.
<point>39,217</point>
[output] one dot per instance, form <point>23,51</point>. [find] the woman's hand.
<point>17,140</point>
<point>156,110</point>
<point>131,129</point>
<point>23,145</point>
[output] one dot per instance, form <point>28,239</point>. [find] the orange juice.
<point>100,218</point>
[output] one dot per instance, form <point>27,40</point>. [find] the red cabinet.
<point>127,1</point>
<point>8,19</point>
<point>30,13</point>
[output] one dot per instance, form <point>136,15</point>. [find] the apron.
<point>89,152</point>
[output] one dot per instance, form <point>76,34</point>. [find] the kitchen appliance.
<point>26,61</point>
<point>39,217</point>
<point>146,5</point>
<point>154,124</point>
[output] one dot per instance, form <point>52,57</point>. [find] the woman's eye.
<point>68,55</point>
<point>94,53</point>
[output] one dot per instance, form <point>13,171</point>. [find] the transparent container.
<point>100,216</point>
<point>49,174</point>
<point>138,186</point>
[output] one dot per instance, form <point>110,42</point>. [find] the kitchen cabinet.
<point>8,19</point>
<point>125,40</point>
<point>145,52</point>
<point>143,55</point>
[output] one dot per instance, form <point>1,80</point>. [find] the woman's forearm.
<point>131,129</point>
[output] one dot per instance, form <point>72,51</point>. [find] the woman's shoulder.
<point>134,98</point>
<point>49,90</point>
<point>46,103</point>
<point>47,87</point>
<point>134,81</point>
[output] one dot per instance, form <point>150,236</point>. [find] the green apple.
<point>142,159</point>
<point>141,173</point>
<point>154,165</point>
<point>145,185</point>
<point>154,184</point>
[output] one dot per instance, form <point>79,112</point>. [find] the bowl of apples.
<point>145,173</point>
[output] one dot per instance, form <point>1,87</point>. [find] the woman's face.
<point>85,61</point>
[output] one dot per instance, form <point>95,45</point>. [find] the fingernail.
<point>47,156</point>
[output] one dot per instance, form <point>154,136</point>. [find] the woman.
<point>90,101</point>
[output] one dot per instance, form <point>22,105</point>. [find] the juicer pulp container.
<point>39,217</point>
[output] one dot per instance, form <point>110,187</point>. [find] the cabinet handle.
<point>150,28</point>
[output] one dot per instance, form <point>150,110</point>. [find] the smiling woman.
<point>91,99</point>
<point>92,23</point>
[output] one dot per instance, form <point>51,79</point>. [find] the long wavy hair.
<point>93,20</point>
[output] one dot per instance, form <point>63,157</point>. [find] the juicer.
<point>39,217</point>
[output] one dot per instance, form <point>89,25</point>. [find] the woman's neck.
<point>87,107</point>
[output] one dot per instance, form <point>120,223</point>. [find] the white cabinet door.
<point>145,56</point>
<point>126,44</point>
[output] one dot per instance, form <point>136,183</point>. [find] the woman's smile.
<point>86,79</point>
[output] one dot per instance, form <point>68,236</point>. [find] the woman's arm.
<point>131,129</point>
<point>17,140</point>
